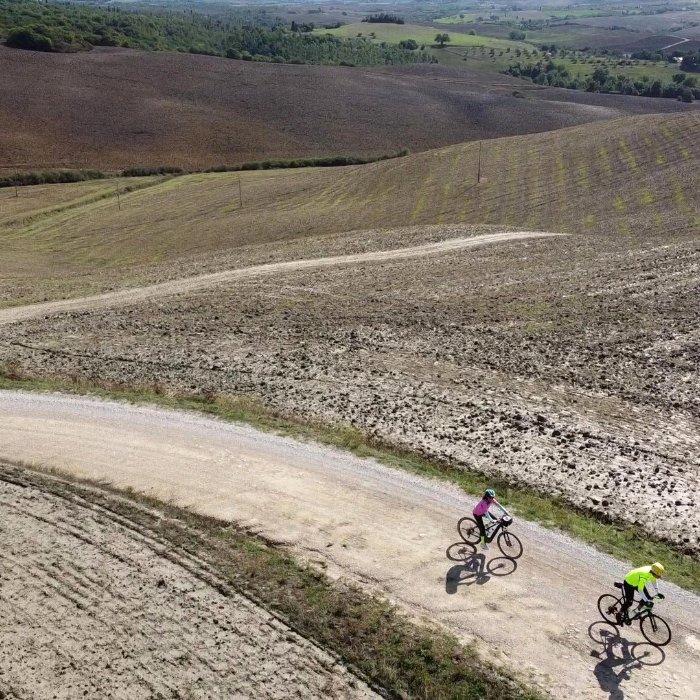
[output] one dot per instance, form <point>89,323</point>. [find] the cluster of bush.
<point>691,62</point>
<point>26,24</point>
<point>384,18</point>
<point>683,87</point>
<point>50,177</point>
<point>65,176</point>
<point>318,162</point>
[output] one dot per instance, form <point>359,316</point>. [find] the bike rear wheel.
<point>510,545</point>
<point>469,530</point>
<point>655,630</point>
<point>609,606</point>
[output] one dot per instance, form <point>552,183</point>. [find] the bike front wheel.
<point>510,545</point>
<point>655,630</point>
<point>469,530</point>
<point>609,606</point>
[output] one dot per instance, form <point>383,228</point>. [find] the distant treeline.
<point>689,61</point>
<point>384,18</point>
<point>26,24</point>
<point>683,87</point>
<point>50,177</point>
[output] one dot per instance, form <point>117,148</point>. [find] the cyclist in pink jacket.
<point>481,509</point>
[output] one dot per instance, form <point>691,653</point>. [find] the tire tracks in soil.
<point>158,623</point>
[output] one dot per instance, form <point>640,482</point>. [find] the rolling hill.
<point>566,363</point>
<point>629,177</point>
<point>114,108</point>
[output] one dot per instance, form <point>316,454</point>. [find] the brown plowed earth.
<point>97,604</point>
<point>564,363</point>
<point>392,531</point>
<point>115,108</point>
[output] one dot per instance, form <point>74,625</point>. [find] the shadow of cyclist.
<point>618,657</point>
<point>473,568</point>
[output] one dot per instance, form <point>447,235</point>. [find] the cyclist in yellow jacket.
<point>643,580</point>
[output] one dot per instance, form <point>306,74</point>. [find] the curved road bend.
<point>383,527</point>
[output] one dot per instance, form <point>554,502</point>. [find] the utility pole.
<point>478,171</point>
<point>119,203</point>
<point>16,192</point>
<point>240,193</point>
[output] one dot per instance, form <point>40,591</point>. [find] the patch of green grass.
<point>112,187</point>
<point>375,640</point>
<point>647,198</point>
<point>394,33</point>
<point>620,541</point>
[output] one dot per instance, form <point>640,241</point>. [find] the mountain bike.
<point>654,628</point>
<point>507,542</point>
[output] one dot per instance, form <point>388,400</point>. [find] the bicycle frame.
<point>639,612</point>
<point>494,527</point>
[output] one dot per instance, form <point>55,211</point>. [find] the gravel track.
<point>375,525</point>
<point>201,282</point>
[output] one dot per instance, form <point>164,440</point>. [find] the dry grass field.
<point>567,364</point>
<point>111,109</point>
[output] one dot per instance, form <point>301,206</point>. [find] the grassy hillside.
<point>633,177</point>
<point>112,108</point>
<point>394,33</point>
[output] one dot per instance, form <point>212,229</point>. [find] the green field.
<point>485,14</point>
<point>638,69</point>
<point>583,66</point>
<point>394,33</point>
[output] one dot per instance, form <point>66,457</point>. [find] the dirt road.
<point>200,282</point>
<point>385,528</point>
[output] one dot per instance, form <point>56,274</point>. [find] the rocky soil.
<point>567,364</point>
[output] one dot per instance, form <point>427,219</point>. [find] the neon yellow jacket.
<point>640,578</point>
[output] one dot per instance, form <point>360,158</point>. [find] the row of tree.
<point>26,24</point>
<point>683,86</point>
<point>384,18</point>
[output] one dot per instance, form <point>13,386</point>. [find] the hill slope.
<point>566,363</point>
<point>113,108</point>
<point>631,177</point>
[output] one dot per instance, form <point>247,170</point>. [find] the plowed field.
<point>114,108</point>
<point>96,604</point>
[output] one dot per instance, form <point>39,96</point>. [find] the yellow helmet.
<point>657,569</point>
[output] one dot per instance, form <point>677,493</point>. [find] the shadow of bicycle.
<point>473,567</point>
<point>618,657</point>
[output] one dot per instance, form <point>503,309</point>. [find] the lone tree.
<point>442,39</point>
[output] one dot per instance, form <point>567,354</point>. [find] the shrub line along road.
<point>381,527</point>
<point>201,282</point>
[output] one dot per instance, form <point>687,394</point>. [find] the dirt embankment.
<point>97,605</point>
